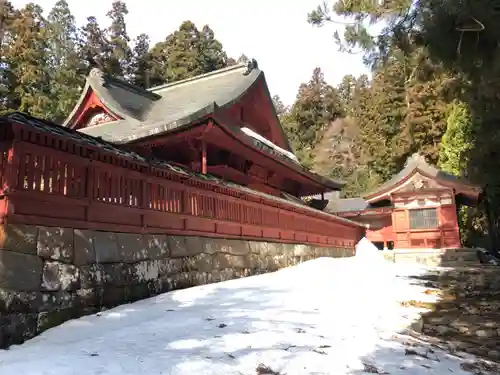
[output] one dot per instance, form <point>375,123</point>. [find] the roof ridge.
<point>200,76</point>
<point>96,73</point>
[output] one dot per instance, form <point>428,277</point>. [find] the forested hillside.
<point>434,86</point>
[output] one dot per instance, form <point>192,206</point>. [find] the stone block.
<point>157,246</point>
<point>166,283</point>
<point>272,248</point>
<point>181,281</point>
<point>233,247</point>
<point>293,261</point>
<point>55,243</point>
<point>106,247</point>
<point>320,252</point>
<point>199,278</point>
<point>275,262</point>
<point>13,302</point>
<point>200,263</point>
<point>119,274</point>
<point>209,245</point>
<point>147,270</point>
<point>57,300</point>
<point>115,295</point>
<point>49,319</point>
<point>194,246</point>
<point>60,276</point>
<point>222,261</point>
<point>257,247</point>
<point>20,272</point>
<point>177,246</point>
<point>91,276</point>
<point>257,262</point>
<point>131,247</point>
<point>140,291</point>
<point>84,252</point>
<point>222,275</point>
<point>17,328</point>
<point>169,267</point>
<point>19,238</point>
<point>85,298</point>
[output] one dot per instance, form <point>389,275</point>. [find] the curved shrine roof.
<point>167,107</point>
<point>417,163</point>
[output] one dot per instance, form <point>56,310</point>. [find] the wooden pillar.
<point>203,157</point>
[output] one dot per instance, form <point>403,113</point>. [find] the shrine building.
<point>417,208</point>
<point>222,123</point>
<point>205,156</point>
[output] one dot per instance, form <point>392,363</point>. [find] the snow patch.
<point>325,316</point>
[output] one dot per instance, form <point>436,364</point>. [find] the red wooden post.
<point>203,157</point>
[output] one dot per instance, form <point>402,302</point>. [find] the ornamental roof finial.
<point>251,65</point>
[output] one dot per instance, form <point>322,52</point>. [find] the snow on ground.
<point>326,316</point>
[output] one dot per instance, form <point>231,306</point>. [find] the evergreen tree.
<point>186,53</point>
<point>211,54</point>
<point>457,141</point>
<point>7,16</point>
<point>66,78</point>
<point>456,146</point>
<point>94,46</point>
<point>26,58</point>
<point>121,54</point>
<point>140,64</point>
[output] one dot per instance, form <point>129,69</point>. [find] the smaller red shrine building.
<point>417,208</point>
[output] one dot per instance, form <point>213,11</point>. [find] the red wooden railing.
<point>60,180</point>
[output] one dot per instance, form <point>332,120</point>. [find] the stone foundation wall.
<point>49,275</point>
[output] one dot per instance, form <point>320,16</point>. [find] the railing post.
<point>186,204</point>
<point>89,181</point>
<point>12,168</point>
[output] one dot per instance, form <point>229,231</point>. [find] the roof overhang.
<point>252,147</point>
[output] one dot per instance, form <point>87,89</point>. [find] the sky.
<point>274,32</point>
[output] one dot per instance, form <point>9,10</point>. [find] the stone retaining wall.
<point>49,275</point>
